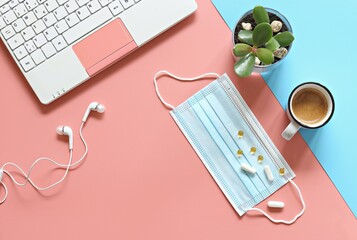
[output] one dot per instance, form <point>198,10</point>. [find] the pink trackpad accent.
<point>104,47</point>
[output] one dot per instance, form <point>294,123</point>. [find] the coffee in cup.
<point>311,105</point>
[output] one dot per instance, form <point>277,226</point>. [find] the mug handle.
<point>291,130</point>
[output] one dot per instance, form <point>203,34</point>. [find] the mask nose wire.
<point>164,72</point>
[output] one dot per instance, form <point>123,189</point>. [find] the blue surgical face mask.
<point>226,135</point>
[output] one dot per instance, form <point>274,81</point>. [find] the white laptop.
<point>59,44</point>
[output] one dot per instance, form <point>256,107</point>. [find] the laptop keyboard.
<point>36,30</point>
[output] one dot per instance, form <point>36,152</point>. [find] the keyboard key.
<point>59,43</point>
<point>116,7</point>
<point>50,19</point>
<point>19,25</point>
<point>93,6</point>
<point>87,25</point>
<point>39,26</point>
<point>31,4</point>
<point>82,2</point>
<point>104,2</point>
<point>20,10</point>
<point>50,33</point>
<point>49,50</point>
<point>27,63</point>
<point>15,41</point>
<point>2,23</point>
<point>38,56</point>
<point>40,11</point>
<point>28,33</point>
<point>60,12</point>
<point>29,18</point>
<point>72,19</point>
<point>40,40</point>
<point>61,2</point>
<point>61,26</point>
<point>8,32</point>
<point>30,46</point>
<point>83,13</point>
<point>71,6</point>
<point>20,52</point>
<point>127,3</point>
<point>9,17</point>
<point>5,8</point>
<point>13,3</point>
<point>51,5</point>
<point>2,2</point>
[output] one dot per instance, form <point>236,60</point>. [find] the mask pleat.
<point>198,133</point>
<point>229,146</point>
<point>229,127</point>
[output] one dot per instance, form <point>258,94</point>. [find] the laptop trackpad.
<point>104,47</point>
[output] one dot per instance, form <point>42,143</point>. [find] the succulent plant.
<point>260,43</point>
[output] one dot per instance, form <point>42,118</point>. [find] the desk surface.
<point>142,179</point>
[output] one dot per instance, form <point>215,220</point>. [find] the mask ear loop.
<point>164,72</point>
<point>5,197</point>
<point>283,221</point>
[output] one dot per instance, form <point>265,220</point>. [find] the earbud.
<point>65,130</point>
<point>94,106</point>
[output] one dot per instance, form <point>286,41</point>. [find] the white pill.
<point>268,173</point>
<point>1,174</point>
<point>248,168</point>
<point>276,204</point>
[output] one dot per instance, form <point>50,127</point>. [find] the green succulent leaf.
<point>260,15</point>
<point>265,55</point>
<point>244,67</point>
<point>284,38</point>
<point>246,36</point>
<point>262,33</point>
<point>241,49</point>
<point>272,44</point>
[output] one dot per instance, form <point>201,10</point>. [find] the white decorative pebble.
<point>247,26</point>
<point>280,52</point>
<point>276,26</point>
<point>257,61</point>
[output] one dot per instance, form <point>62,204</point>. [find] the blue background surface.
<point>324,51</point>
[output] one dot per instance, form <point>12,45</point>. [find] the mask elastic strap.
<point>164,72</point>
<point>283,221</point>
<point>4,198</point>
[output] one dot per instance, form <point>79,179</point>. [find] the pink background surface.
<point>142,179</point>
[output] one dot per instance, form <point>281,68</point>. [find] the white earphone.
<point>94,106</point>
<point>65,130</point>
<point>61,130</point>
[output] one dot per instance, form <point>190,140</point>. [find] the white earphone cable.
<point>27,176</point>
<point>164,72</point>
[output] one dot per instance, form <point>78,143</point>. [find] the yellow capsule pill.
<point>260,159</point>
<point>240,133</point>
<point>240,153</point>
<point>253,150</point>
<point>282,171</point>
